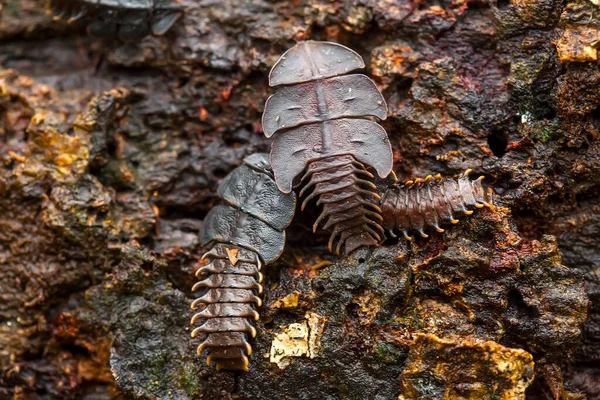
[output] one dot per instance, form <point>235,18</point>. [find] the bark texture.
<point>111,154</point>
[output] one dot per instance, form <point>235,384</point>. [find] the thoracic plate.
<point>311,60</point>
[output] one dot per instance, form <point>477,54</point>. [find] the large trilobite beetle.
<point>129,20</point>
<point>323,119</point>
<point>245,233</point>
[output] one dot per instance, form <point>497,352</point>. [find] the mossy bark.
<point>111,154</point>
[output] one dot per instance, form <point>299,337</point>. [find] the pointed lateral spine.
<point>425,204</point>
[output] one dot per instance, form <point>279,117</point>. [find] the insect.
<point>245,233</point>
<point>323,121</point>
<point>430,203</point>
<point>129,20</point>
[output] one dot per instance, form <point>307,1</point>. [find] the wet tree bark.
<point>111,154</point>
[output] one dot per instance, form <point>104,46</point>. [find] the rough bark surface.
<point>111,154</point>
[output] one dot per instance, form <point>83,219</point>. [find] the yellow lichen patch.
<point>369,305</point>
<point>3,87</point>
<point>51,151</point>
<point>436,317</point>
<point>578,44</point>
<point>358,19</point>
<point>292,342</point>
<point>316,326</point>
<point>289,301</point>
<point>297,340</point>
<point>390,60</point>
<point>465,369</point>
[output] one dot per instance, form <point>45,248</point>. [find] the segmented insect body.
<point>323,121</point>
<point>129,20</point>
<point>430,203</point>
<point>246,232</point>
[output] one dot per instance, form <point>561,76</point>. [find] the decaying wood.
<point>111,155</point>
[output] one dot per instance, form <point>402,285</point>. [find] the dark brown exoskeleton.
<point>324,124</point>
<point>246,232</point>
<point>431,202</point>
<point>129,20</point>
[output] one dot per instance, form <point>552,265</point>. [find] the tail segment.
<point>231,284</point>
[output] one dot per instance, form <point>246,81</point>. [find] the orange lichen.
<point>466,369</point>
<point>578,44</point>
<point>289,301</point>
<point>368,307</point>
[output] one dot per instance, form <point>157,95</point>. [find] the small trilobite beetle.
<point>129,20</point>
<point>323,121</point>
<point>245,233</point>
<point>429,203</point>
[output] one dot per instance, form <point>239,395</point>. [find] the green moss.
<point>545,134</point>
<point>384,319</point>
<point>158,362</point>
<point>188,379</point>
<point>387,353</point>
<point>542,131</point>
<point>524,72</point>
<point>12,9</point>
